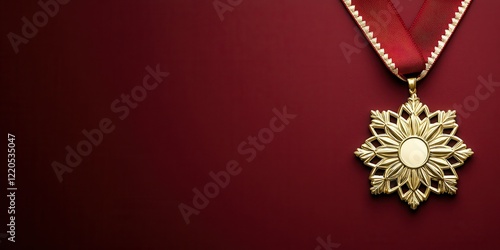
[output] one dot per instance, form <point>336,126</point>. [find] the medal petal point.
<point>438,141</point>
<point>439,162</point>
<point>389,143</point>
<point>393,172</point>
<point>449,185</point>
<point>441,151</point>
<point>424,176</point>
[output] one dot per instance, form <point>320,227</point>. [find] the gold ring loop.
<point>412,84</point>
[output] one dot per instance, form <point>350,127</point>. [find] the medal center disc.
<point>413,152</point>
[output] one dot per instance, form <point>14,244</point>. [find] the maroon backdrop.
<point>234,67</point>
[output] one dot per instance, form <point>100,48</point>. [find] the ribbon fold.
<point>408,51</point>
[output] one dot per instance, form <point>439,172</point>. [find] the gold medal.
<point>415,151</point>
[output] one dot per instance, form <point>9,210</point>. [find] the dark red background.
<point>225,79</point>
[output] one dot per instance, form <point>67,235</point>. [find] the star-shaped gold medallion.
<point>413,152</point>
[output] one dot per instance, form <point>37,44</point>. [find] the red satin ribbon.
<point>409,48</point>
